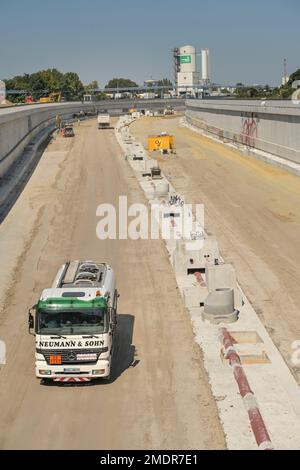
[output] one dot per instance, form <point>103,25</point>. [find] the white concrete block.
<point>195,254</point>
<point>193,296</point>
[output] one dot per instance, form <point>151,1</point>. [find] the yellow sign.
<point>160,142</point>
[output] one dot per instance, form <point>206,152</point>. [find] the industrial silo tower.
<point>205,62</point>
<point>187,59</point>
<point>187,75</point>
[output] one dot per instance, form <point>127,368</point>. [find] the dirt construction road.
<point>254,210</point>
<point>159,397</point>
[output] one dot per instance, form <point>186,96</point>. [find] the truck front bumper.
<point>73,373</point>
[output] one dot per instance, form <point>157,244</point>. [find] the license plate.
<point>71,371</point>
<point>55,360</point>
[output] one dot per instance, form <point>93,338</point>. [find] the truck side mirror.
<point>30,322</point>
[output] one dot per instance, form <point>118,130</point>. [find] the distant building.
<point>87,97</point>
<point>284,80</point>
<point>151,83</point>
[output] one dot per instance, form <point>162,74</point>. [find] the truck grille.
<point>71,356</point>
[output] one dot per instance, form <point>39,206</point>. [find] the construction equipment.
<point>52,98</point>
<point>75,322</point>
<point>163,142</point>
<point>67,131</point>
<point>169,111</point>
<point>79,115</point>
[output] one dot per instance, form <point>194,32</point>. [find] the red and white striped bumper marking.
<point>72,379</point>
<point>256,420</point>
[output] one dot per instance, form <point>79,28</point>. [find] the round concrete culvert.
<point>219,306</point>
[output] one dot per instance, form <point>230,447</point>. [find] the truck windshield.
<point>72,322</point>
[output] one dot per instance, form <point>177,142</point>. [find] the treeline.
<point>44,82</point>
<point>121,83</point>
<point>283,92</point>
<point>287,90</point>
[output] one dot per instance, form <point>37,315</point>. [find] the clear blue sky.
<point>101,39</point>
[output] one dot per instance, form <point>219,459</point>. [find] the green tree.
<point>37,83</point>
<point>91,86</point>
<point>121,83</point>
<point>286,91</point>
<point>72,85</point>
<point>48,81</point>
<point>100,96</point>
<point>293,77</point>
<point>253,92</point>
<point>52,78</point>
<point>18,82</point>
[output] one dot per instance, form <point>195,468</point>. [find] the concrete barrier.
<point>188,259</point>
<point>269,126</point>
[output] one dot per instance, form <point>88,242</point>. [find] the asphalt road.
<point>159,396</point>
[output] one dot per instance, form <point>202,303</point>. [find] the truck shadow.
<point>125,352</point>
<point>124,355</point>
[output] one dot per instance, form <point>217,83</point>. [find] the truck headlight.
<point>98,372</point>
<point>45,372</point>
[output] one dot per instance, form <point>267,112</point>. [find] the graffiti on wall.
<point>249,129</point>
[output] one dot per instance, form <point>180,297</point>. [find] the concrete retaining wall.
<point>270,126</point>
<point>19,126</point>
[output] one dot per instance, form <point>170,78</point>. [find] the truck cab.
<point>74,323</point>
<point>68,130</point>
